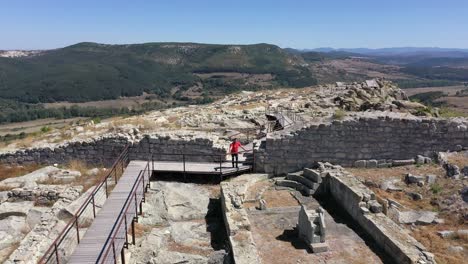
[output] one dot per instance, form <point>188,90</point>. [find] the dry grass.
<point>141,230</point>
<point>142,123</point>
<point>187,249</point>
<point>459,159</point>
<point>279,198</point>
<point>7,171</point>
<point>86,180</point>
<point>427,235</point>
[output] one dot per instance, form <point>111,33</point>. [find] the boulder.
<point>452,171</point>
<point>464,194</point>
<point>375,207</point>
<point>455,249</point>
<point>360,163</point>
<point>415,196</point>
<point>417,217</point>
<point>29,180</point>
<point>389,185</point>
<point>410,179</point>
<point>431,179</point>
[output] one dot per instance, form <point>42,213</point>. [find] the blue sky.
<point>43,24</point>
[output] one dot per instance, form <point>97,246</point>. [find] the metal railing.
<point>286,116</point>
<point>118,238</point>
<point>205,158</point>
<point>63,245</point>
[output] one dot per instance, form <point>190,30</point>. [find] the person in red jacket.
<point>234,150</point>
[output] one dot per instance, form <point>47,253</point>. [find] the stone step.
<point>303,180</point>
<point>312,175</point>
<point>306,191</point>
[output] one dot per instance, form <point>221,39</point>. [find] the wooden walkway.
<point>91,245</point>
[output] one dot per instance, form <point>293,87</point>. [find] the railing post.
<point>152,164</point>
<point>122,256</point>
<point>94,206</point>
<point>143,188</point>
<point>56,253</point>
<point>133,232</point>
<point>107,194</point>
<point>126,231</point>
<point>115,173</point>
<point>183,161</point>
<point>136,208</point>
<point>113,249</point>
<point>77,230</point>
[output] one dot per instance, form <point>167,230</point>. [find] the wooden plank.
<point>94,239</point>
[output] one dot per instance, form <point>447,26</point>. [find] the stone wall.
<point>359,202</point>
<point>104,151</point>
<point>380,138</point>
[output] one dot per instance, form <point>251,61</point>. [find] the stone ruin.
<point>311,228</point>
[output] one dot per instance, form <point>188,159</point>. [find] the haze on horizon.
<point>48,24</point>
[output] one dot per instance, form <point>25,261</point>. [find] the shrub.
<point>435,188</point>
<point>96,120</point>
<point>45,129</point>
<point>339,114</point>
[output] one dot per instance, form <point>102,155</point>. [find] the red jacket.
<point>234,147</point>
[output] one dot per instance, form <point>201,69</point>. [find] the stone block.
<point>312,175</point>
<point>372,164</point>
<point>403,162</point>
<point>360,163</point>
<point>319,247</point>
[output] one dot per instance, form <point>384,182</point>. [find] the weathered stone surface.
<point>311,226</point>
<point>351,194</point>
<point>410,178</point>
<point>29,180</point>
<point>415,196</point>
<point>236,218</point>
<point>417,217</point>
<point>453,171</point>
<point>313,175</point>
<point>390,185</point>
<point>319,247</point>
<point>360,163</point>
<point>403,162</point>
<point>431,179</point>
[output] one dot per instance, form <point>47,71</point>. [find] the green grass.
<point>446,112</point>
<point>435,188</point>
<point>339,114</point>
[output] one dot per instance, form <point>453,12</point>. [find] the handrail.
<point>221,156</point>
<point>54,247</point>
<point>118,222</point>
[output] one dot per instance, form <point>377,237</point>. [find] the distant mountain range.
<point>92,71</point>
<point>403,51</point>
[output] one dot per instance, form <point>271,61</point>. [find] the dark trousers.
<point>235,156</point>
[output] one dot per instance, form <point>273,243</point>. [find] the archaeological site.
<point>339,173</point>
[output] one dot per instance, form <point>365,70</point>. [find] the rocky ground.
<point>275,235</point>
<point>429,201</point>
<point>182,223</point>
<point>244,111</point>
<point>35,207</point>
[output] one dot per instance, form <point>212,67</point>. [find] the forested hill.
<point>90,71</point>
